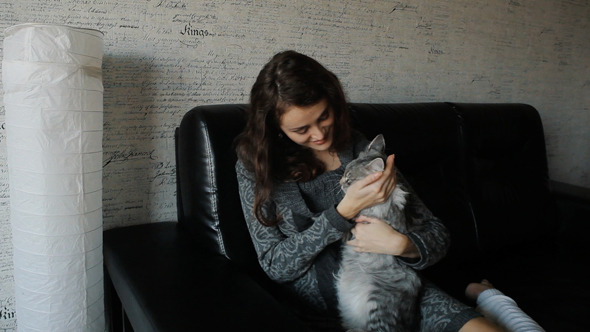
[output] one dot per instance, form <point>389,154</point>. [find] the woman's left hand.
<point>376,236</point>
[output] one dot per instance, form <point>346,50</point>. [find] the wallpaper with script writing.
<point>163,57</point>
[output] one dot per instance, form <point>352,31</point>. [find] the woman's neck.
<point>330,159</point>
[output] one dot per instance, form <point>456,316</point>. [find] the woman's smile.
<point>309,126</point>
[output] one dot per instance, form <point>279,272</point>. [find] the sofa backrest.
<point>207,191</point>
<point>427,144</point>
<point>481,168</point>
<point>507,174</point>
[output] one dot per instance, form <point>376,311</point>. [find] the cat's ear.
<point>378,144</point>
<point>376,165</point>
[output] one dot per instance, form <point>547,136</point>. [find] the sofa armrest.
<point>570,192</point>
<point>165,283</point>
<point>573,204</point>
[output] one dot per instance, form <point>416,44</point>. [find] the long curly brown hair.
<point>288,79</point>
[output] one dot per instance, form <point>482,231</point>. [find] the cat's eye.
<point>346,178</point>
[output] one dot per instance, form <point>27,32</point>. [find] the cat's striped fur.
<point>375,291</point>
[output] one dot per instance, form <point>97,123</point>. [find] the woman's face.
<point>309,126</point>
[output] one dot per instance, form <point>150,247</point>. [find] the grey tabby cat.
<point>375,291</point>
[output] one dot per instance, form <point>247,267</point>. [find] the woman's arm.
<point>431,238</point>
<point>376,236</point>
<point>425,244</point>
<point>373,189</point>
<point>287,257</point>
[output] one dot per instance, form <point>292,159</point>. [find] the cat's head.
<point>369,161</point>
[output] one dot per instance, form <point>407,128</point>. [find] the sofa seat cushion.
<point>546,282</point>
<point>165,284</point>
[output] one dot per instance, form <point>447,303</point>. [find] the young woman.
<point>292,154</point>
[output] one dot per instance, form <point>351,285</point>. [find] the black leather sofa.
<point>482,168</point>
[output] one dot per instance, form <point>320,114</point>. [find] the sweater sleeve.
<point>284,252</point>
<point>429,235</point>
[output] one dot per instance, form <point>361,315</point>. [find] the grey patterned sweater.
<point>302,251</point>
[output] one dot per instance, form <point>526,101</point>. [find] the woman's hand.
<point>376,236</point>
<point>373,189</point>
